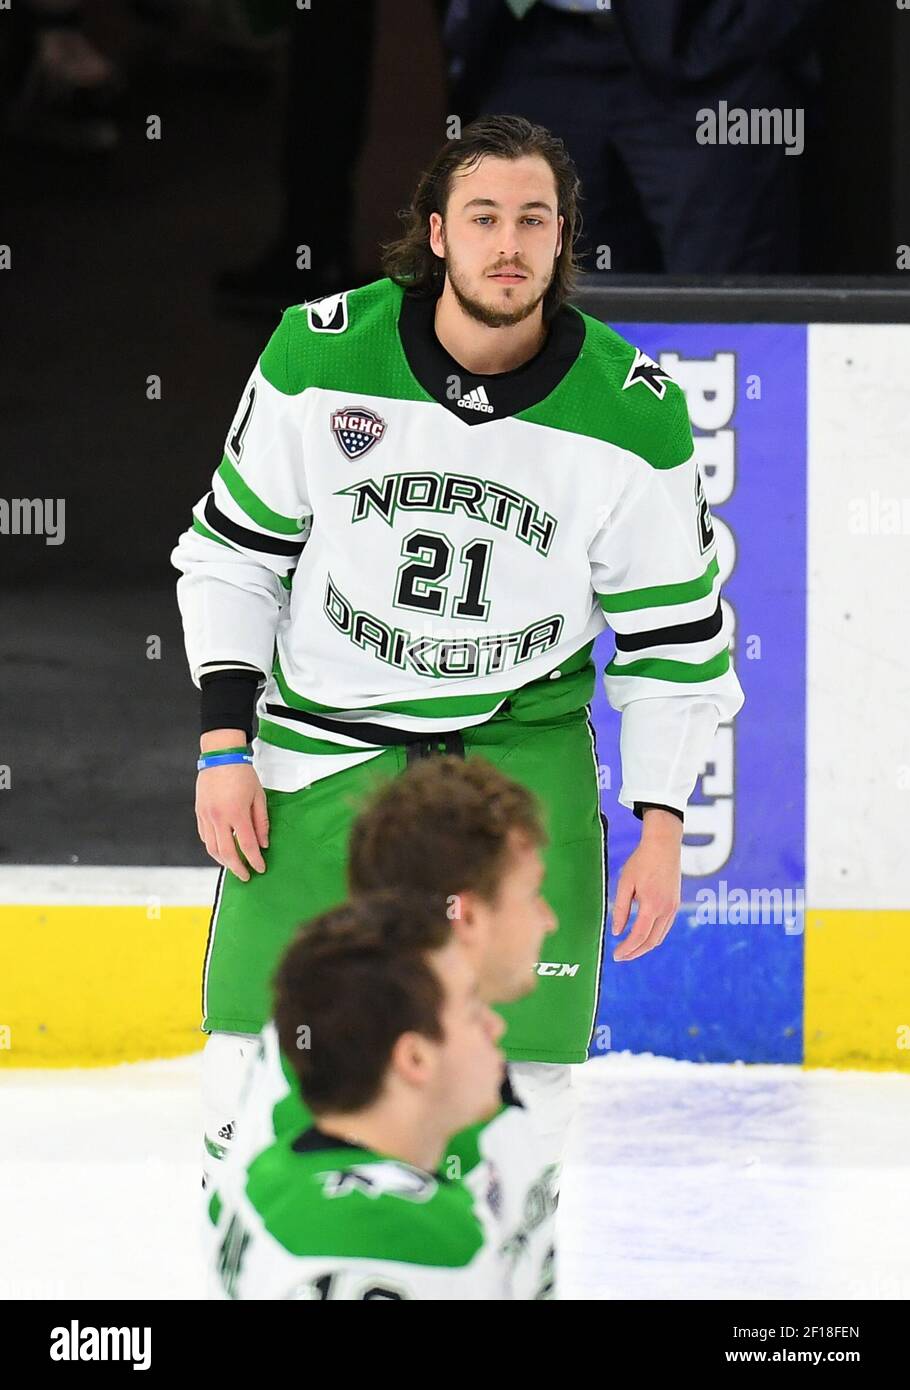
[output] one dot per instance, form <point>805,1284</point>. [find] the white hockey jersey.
<point>399,544</point>
<point>500,1162</point>
<point>318,1218</point>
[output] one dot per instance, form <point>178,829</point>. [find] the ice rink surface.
<point>682,1181</point>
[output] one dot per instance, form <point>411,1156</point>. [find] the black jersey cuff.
<point>639,808</point>
<point>228,700</point>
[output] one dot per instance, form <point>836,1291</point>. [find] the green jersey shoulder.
<point>353,1202</point>
<point>345,342</point>
<point>613,391</point>
<point>318,1218</point>
<point>617,393</point>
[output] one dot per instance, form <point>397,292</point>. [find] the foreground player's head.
<point>502,196</point>
<point>461,831</point>
<point>378,1010</point>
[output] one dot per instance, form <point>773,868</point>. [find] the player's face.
<point>519,919</point>
<point>469,1064</point>
<point>500,238</point>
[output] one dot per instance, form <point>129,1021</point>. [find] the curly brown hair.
<point>442,827</point>
<point>411,262</point>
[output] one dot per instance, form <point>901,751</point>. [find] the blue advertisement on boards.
<point>727,982</point>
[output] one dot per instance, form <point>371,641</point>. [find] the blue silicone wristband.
<point>222,759</point>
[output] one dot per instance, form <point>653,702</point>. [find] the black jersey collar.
<point>491,397</point>
<point>507,1092</point>
<point>314,1139</point>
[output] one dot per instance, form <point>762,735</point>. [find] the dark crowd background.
<point>131,257</point>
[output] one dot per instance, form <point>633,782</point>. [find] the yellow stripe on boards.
<point>90,986</point>
<point>107,969</point>
<point>857,989</point>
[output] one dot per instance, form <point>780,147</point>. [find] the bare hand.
<point>652,876</point>
<point>231,805</point>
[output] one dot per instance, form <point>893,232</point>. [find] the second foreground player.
<point>392,1048</point>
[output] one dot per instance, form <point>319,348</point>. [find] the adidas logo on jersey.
<point>476,400</point>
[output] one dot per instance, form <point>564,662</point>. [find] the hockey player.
<point>436,492</point>
<point>461,831</point>
<point>377,1005</point>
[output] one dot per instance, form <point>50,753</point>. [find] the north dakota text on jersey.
<point>434,655</point>
<point>445,493</point>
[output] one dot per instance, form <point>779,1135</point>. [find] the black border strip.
<point>745,299</point>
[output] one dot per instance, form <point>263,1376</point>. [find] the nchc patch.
<point>357,430</point>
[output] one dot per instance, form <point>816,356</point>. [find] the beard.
<point>482,313</point>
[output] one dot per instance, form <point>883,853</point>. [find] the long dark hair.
<point>411,263</point>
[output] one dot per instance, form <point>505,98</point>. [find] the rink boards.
<point>793,941</point>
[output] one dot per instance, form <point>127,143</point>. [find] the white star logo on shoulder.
<point>646,370</point>
<point>328,315</point>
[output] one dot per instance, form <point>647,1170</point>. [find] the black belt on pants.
<point>452,742</point>
<point>419,744</point>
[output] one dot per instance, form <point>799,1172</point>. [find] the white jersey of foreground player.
<point>321,1219</point>
<point>509,1164</point>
